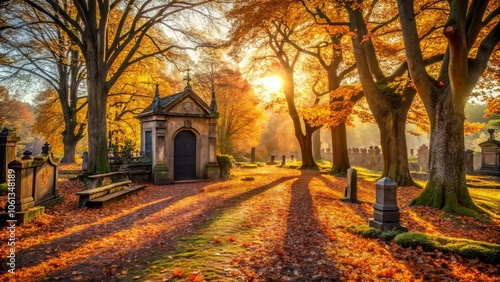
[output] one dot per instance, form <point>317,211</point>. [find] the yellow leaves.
<point>493,107</point>
<point>472,127</point>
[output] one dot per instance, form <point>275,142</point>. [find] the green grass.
<point>488,200</point>
<point>366,174</point>
<point>202,253</point>
<point>485,252</point>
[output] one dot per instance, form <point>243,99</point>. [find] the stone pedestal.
<point>161,174</point>
<point>213,171</point>
<point>386,210</point>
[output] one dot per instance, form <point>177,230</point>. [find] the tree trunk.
<point>340,153</point>
<point>394,150</point>
<point>70,143</point>
<point>306,145</point>
<point>316,145</point>
<point>446,188</point>
<point>97,108</point>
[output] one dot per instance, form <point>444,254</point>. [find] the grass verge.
<point>483,251</point>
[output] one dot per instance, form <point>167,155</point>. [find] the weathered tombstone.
<point>291,157</point>
<point>272,158</point>
<point>35,184</point>
<point>412,152</point>
<point>490,155</point>
<point>351,190</point>
<point>386,210</point>
<point>8,142</point>
<point>423,157</point>
<point>283,160</point>
<point>469,161</point>
<point>85,162</point>
<point>252,156</point>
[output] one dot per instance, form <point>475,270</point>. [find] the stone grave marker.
<point>351,190</point>
<point>386,211</point>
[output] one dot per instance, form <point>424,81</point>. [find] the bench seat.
<point>90,194</point>
<point>109,198</point>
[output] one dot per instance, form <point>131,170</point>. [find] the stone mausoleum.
<point>179,131</point>
<point>490,155</point>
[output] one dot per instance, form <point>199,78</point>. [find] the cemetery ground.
<point>285,225</point>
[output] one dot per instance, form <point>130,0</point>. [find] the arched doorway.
<point>185,155</point>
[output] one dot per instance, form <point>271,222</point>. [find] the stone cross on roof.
<point>188,79</point>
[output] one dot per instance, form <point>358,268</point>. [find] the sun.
<point>272,83</point>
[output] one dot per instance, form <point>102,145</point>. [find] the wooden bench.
<point>99,194</point>
<point>98,180</point>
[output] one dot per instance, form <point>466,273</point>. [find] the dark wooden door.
<point>185,156</point>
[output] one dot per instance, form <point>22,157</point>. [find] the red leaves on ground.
<point>299,225</point>
<point>231,239</point>
<point>195,277</point>
<point>177,273</point>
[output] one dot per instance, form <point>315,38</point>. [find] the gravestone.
<point>283,160</point>
<point>490,155</point>
<point>423,157</point>
<point>386,211</point>
<point>252,156</point>
<point>85,162</point>
<point>351,190</point>
<point>35,184</point>
<point>8,142</point>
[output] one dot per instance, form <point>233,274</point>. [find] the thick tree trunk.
<point>306,145</point>
<point>316,145</point>
<point>340,153</point>
<point>394,150</point>
<point>69,141</point>
<point>446,188</point>
<point>304,139</point>
<point>97,108</point>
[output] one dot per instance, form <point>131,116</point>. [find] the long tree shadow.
<point>144,252</point>
<point>304,257</point>
<point>356,207</point>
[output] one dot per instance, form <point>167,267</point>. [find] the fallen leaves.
<point>300,234</point>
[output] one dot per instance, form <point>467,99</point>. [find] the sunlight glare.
<point>272,83</point>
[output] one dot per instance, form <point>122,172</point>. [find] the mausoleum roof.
<point>161,106</point>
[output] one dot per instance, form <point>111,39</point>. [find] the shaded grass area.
<point>485,252</point>
<point>209,253</point>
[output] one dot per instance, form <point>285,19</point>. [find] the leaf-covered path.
<point>286,225</point>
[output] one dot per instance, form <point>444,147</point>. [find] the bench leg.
<point>83,201</point>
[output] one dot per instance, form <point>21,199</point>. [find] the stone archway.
<point>185,155</point>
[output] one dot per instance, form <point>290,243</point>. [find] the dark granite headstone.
<point>386,210</point>
<point>351,190</point>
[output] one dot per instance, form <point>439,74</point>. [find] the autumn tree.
<point>266,24</point>
<point>472,32</point>
<point>104,46</point>
<point>237,125</point>
<point>387,91</point>
<point>42,51</point>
